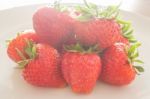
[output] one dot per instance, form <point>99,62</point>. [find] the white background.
<point>138,6</point>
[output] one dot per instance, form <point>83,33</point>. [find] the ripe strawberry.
<point>43,67</point>
<point>118,64</point>
<point>18,44</point>
<point>101,26</point>
<point>81,70</point>
<point>104,32</point>
<point>109,33</point>
<point>85,32</point>
<point>53,26</point>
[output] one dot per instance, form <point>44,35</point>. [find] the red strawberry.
<point>53,26</point>
<point>109,32</point>
<point>85,32</point>
<point>118,68</point>
<point>18,44</point>
<point>97,26</point>
<point>104,32</point>
<point>43,67</point>
<point>81,70</point>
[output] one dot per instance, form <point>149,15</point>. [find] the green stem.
<point>85,2</point>
<point>23,63</point>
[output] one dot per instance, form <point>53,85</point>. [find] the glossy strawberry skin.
<point>116,69</point>
<point>20,43</point>
<point>109,32</point>
<point>104,32</point>
<point>81,71</point>
<point>85,32</point>
<point>44,70</point>
<point>52,26</point>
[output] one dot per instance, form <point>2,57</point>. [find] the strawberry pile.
<point>77,46</point>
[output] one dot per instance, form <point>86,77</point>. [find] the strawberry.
<point>102,26</point>
<point>43,66</point>
<point>81,70</point>
<point>90,29</point>
<point>109,32</point>
<point>118,64</point>
<point>18,44</point>
<point>53,26</point>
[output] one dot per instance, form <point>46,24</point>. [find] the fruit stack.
<point>77,46</point>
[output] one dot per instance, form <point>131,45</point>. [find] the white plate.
<point>12,86</point>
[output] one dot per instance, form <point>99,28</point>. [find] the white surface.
<point>12,86</point>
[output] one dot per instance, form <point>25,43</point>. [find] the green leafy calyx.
<point>90,11</point>
<point>79,48</point>
<point>30,50</point>
<point>133,54</point>
<point>127,30</point>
